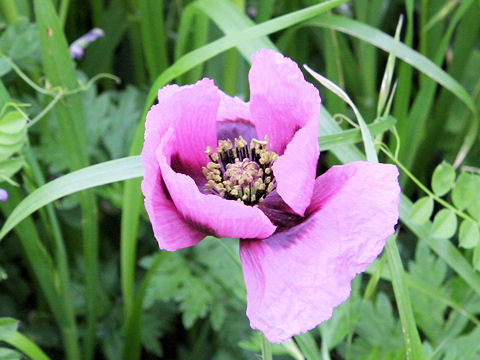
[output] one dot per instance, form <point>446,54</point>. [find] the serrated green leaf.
<point>378,330</point>
<point>469,235</point>
<point>443,178</point>
<point>464,191</point>
<point>422,210</point>
<point>429,313</point>
<point>195,299</point>
<point>474,207</point>
<point>444,224</point>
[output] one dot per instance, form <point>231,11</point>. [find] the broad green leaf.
<point>464,191</point>
<point>95,175</point>
<point>474,207</point>
<point>444,224</point>
<point>443,178</point>
<point>469,235</point>
<point>422,209</point>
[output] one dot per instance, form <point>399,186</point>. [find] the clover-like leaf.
<point>422,210</point>
<point>469,235</point>
<point>464,191</point>
<point>474,207</point>
<point>444,224</point>
<point>443,178</point>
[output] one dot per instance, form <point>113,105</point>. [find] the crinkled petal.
<point>295,170</point>
<point>295,278</point>
<point>192,111</point>
<point>209,214</point>
<point>281,101</point>
<point>169,228</point>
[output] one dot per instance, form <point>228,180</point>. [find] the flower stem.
<point>266,349</point>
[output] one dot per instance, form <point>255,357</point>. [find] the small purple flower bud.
<point>78,46</point>
<point>3,195</point>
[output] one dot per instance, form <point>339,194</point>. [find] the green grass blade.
<point>264,10</point>
<point>418,122</point>
<point>39,259</point>
<point>366,136</point>
<point>307,345</point>
<point>9,10</point>
<point>25,345</point>
<point>69,326</point>
<point>229,19</point>
<point>386,42</point>
<point>153,36</point>
<point>353,136</point>
<point>60,72</point>
<point>413,343</point>
<point>87,178</point>
<point>98,56</point>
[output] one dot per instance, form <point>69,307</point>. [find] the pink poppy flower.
<point>216,165</point>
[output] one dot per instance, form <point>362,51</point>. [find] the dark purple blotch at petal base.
<point>233,129</point>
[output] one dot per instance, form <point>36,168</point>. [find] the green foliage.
<point>68,289</point>
<point>464,191</point>
<point>422,210</point>
<point>379,334</point>
<point>443,178</point>
<point>469,235</point>
<point>444,224</point>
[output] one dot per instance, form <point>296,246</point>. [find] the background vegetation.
<point>82,277</point>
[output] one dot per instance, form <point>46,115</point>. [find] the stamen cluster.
<point>240,172</point>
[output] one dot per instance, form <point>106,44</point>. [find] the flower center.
<point>240,172</point>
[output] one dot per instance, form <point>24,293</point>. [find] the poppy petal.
<point>281,101</point>
<point>295,278</point>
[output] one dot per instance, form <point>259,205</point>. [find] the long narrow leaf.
<point>95,175</point>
